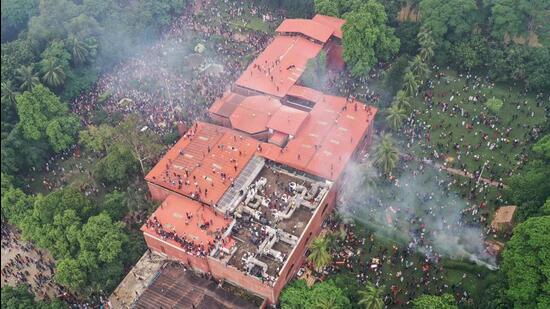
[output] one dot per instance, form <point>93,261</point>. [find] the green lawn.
<point>504,157</point>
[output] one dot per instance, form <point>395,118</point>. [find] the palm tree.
<point>410,84</point>
<point>424,36</point>
<point>418,67</point>
<point>427,44</point>
<point>386,155</point>
<point>319,254</point>
<point>371,297</point>
<point>53,74</point>
<point>396,116</point>
<point>27,77</point>
<point>402,100</point>
<point>80,51</point>
<point>8,94</point>
<point>328,302</point>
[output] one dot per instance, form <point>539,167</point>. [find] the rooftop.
<point>254,113</point>
<point>204,162</point>
<point>187,223</point>
<point>175,287</point>
<point>271,210</point>
<point>307,27</point>
<point>287,120</point>
<point>334,23</point>
<point>279,66</point>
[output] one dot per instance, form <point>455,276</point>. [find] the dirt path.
<point>23,263</point>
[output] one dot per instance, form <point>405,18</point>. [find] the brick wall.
<point>155,244</point>
<point>221,271</point>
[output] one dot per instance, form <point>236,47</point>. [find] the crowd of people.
<point>175,79</point>
<point>461,145</point>
<point>23,263</point>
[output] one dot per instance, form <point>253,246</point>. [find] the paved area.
<point>137,280</point>
<point>23,263</point>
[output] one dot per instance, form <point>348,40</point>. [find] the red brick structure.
<point>243,198</point>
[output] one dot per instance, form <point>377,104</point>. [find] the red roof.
<point>307,27</point>
<point>279,66</point>
<point>334,23</point>
<point>287,120</point>
<point>194,166</point>
<point>185,217</point>
<point>328,137</point>
<point>305,93</point>
<point>254,113</point>
<point>225,105</point>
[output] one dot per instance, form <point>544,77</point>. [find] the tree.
<point>15,15</point>
<point>27,77</point>
<point>36,109</point>
<point>117,167</point>
<point>494,105</point>
<point>542,147</point>
<point>529,189</point>
<point>445,301</point>
<point>519,18</point>
<point>410,84</point>
<point>322,295</point>
<point>80,51</point>
<point>8,94</point>
<point>367,38</point>
<point>386,155</point>
<point>396,116</point>
<point>143,145</point>
<point>370,297</point>
<point>19,297</point>
<point>16,205</point>
<point>319,253</point>
<point>401,100</point>
<point>15,54</point>
<point>418,67</point>
<point>448,21</point>
<point>114,204</point>
<point>52,73</point>
<point>62,132</point>
<point>97,138</point>
<point>526,264</point>
<point>327,7</point>
<point>427,44</point>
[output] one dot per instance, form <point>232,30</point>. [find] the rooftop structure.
<point>504,218</point>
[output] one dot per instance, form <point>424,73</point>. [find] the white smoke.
<point>419,209</point>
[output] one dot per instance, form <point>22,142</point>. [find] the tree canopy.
<point>367,38</point>
<point>526,264</point>
<point>445,301</point>
<point>298,295</point>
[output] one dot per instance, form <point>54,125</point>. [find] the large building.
<point>243,197</point>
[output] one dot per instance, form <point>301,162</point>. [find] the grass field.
<point>502,159</point>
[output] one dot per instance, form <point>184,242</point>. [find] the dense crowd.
<point>23,263</point>
<point>166,86</point>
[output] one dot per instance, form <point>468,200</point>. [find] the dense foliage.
<point>526,264</point>
<point>20,298</point>
<point>322,295</point>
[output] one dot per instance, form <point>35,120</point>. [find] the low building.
<point>242,198</point>
<point>503,221</point>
